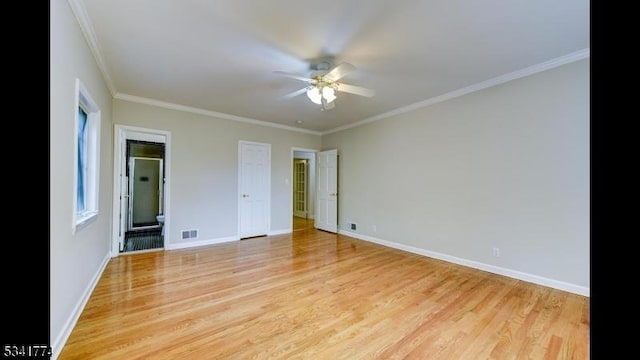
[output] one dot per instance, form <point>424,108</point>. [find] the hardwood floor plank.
<point>312,294</point>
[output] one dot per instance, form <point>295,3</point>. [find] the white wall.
<point>312,180</point>
<point>204,167</point>
<point>75,259</point>
<point>504,167</point>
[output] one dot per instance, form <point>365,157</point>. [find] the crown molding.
<point>77,6</point>
<point>172,106</point>
<point>566,59</point>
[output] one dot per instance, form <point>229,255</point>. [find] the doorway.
<point>303,188</point>
<point>141,189</point>
<point>145,173</point>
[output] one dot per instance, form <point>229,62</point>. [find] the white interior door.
<point>327,203</point>
<point>145,191</point>
<point>146,180</point>
<point>254,189</point>
<point>124,195</point>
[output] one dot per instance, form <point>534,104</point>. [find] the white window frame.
<point>84,100</point>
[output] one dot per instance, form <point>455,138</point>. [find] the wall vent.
<point>189,234</point>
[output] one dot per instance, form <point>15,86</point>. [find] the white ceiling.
<point>219,55</point>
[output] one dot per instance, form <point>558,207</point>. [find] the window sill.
<point>84,221</point>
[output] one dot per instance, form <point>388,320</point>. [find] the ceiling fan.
<point>323,83</point>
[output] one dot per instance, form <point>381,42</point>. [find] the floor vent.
<point>190,234</point>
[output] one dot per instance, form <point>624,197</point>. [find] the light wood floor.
<point>316,295</point>
<point>302,223</point>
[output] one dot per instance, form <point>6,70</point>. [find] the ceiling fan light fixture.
<point>318,93</point>
<point>328,93</point>
<point>314,95</point>
<point>323,84</point>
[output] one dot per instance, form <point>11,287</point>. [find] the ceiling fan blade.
<point>339,71</point>
<point>295,93</point>
<point>293,76</point>
<point>358,90</point>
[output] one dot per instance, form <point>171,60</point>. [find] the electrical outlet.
<point>496,252</point>
<point>375,228</point>
<point>353,226</point>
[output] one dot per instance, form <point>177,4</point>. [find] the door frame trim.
<point>244,142</point>
<point>121,134</point>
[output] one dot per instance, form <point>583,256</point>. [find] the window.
<point>81,204</point>
<point>87,158</point>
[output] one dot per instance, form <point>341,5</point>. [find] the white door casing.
<point>327,194</point>
<point>254,189</point>
<point>120,196</point>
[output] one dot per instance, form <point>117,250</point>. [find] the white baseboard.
<point>280,232</point>
<point>62,338</point>
<point>190,244</point>
<point>556,284</point>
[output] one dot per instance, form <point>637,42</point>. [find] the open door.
<point>145,191</point>
<point>327,203</point>
<point>123,185</point>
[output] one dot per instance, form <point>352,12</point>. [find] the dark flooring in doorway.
<point>146,239</point>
